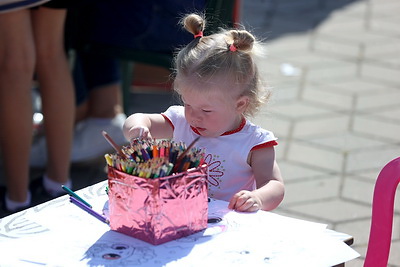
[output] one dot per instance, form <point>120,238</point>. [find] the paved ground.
<point>334,68</point>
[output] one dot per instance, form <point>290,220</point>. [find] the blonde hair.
<point>229,53</point>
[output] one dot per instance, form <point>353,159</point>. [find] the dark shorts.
<point>143,25</point>
<point>92,71</point>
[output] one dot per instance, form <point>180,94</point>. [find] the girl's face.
<point>212,113</point>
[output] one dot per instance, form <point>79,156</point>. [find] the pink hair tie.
<point>232,47</point>
<point>200,34</point>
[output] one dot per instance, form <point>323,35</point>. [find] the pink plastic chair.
<point>382,215</point>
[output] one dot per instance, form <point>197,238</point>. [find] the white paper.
<point>75,238</point>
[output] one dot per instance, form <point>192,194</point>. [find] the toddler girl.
<point>218,82</point>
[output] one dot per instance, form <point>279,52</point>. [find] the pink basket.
<point>158,210</point>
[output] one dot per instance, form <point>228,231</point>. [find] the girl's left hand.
<point>245,201</point>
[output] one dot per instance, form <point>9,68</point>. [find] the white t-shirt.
<point>226,155</point>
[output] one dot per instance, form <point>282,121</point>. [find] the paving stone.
<point>363,191</point>
<point>371,126</point>
<point>280,150</point>
<point>358,191</point>
<point>333,211</point>
<point>293,214</point>
<point>394,258</point>
<point>339,5</point>
<point>357,86</point>
<point>381,100</point>
<point>347,141</point>
<point>314,156</point>
<point>358,262</point>
<point>366,175</point>
<point>334,73</point>
<point>295,173</point>
<point>381,73</point>
<point>354,9</point>
<point>392,113</point>
<point>313,59</point>
<point>371,42</point>
<point>388,60</point>
<point>298,110</point>
<point>328,98</point>
<point>338,24</point>
<point>371,160</point>
<point>383,8</point>
<point>337,46</point>
<point>318,126</point>
<point>385,45</point>
<point>284,92</point>
<point>385,26</point>
<point>318,189</point>
<point>280,127</point>
<point>287,46</point>
<point>359,230</point>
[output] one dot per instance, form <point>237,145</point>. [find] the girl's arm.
<point>270,188</point>
<point>141,125</point>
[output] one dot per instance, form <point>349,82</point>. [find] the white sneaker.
<point>88,143</point>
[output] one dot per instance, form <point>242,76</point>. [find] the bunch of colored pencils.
<point>153,159</point>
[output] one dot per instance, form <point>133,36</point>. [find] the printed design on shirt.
<point>215,170</point>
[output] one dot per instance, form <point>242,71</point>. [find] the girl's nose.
<point>192,114</point>
<point>196,117</point>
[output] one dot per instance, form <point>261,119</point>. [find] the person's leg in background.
<point>105,101</point>
<point>150,26</point>
<point>17,60</point>
<point>106,23</point>
<point>57,93</point>
<point>99,77</point>
<point>99,105</point>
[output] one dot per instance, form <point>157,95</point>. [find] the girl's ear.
<point>242,103</point>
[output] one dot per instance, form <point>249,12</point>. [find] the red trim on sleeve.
<point>264,145</point>
<point>168,120</point>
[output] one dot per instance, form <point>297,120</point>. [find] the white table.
<point>58,233</point>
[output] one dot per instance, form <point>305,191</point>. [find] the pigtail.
<point>242,40</point>
<point>195,24</point>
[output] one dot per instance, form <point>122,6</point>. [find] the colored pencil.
<point>113,144</point>
<point>188,149</point>
<point>181,156</point>
<point>89,210</point>
<point>73,194</point>
<point>151,159</point>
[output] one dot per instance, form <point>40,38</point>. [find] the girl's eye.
<point>206,111</point>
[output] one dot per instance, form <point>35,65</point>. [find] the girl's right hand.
<point>138,132</point>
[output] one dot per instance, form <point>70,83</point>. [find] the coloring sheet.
<point>68,236</point>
